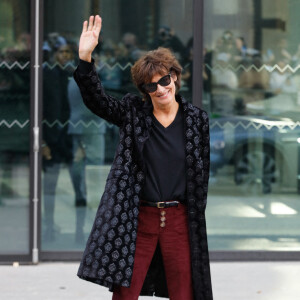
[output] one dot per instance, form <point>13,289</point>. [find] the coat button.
<point>162,224</point>
<point>163,219</point>
<point>163,213</point>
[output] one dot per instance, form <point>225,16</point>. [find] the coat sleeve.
<point>205,152</point>
<point>95,98</point>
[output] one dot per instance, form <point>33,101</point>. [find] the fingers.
<point>84,27</point>
<point>94,24</point>
<point>91,23</point>
<point>98,24</point>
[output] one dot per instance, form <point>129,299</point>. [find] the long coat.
<point>109,254</point>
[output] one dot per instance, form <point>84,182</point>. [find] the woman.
<point>149,235</point>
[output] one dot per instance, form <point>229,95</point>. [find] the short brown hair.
<point>159,61</point>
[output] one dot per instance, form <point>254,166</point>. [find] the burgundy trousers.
<point>169,228</point>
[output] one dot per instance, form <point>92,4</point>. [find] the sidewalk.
<point>231,281</point>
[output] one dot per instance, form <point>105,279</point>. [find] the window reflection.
<point>251,89</point>
<point>78,147</point>
<point>15,47</point>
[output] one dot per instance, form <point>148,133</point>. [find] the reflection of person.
<point>296,57</point>
<point>14,107</point>
<point>255,85</point>
<point>253,79</point>
<point>223,76</point>
<point>110,75</point>
<point>207,79</point>
<point>149,232</point>
<point>235,49</point>
<point>131,52</point>
<point>187,74</point>
<point>88,134</point>
<point>241,49</point>
<point>226,45</point>
<point>129,41</point>
<point>58,146</point>
<point>282,81</point>
<point>167,38</point>
<point>279,52</point>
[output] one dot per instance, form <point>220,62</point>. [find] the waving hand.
<point>89,37</point>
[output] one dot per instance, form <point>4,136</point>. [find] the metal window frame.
<point>36,121</point>
<point>215,256</point>
<point>248,256</point>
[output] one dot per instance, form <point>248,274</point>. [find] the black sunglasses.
<point>152,86</point>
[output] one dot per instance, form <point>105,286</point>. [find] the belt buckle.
<point>160,205</point>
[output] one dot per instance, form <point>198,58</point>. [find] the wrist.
<point>85,56</point>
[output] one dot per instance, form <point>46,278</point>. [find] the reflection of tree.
<point>14,92</point>
<point>14,97</point>
<point>14,16</point>
<point>6,16</point>
<point>21,11</point>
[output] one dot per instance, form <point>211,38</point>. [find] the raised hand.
<point>89,37</point>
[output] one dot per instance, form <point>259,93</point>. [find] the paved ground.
<point>231,281</point>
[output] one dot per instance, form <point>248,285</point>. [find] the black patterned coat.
<point>109,255</point>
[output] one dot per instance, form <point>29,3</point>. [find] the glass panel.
<point>251,90</point>
<point>78,146</point>
<point>14,126</point>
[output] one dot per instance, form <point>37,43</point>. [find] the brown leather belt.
<point>160,204</point>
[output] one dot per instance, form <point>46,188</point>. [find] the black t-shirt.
<point>164,156</point>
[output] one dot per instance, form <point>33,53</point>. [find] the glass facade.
<point>14,126</point>
<point>78,147</point>
<point>251,90</point>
